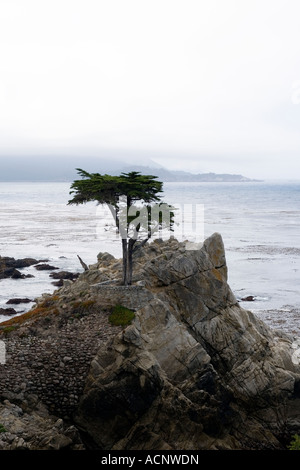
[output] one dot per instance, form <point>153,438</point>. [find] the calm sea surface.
<point>259,223</point>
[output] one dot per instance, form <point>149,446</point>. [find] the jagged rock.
<point>64,275</point>
<point>45,267</point>
<point>105,256</point>
<point>7,311</point>
<point>194,370</point>
<point>59,283</point>
<point>30,427</point>
<point>9,262</point>
<point>19,301</point>
<point>8,267</point>
<point>12,273</point>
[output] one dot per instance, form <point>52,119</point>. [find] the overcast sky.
<point>197,85</point>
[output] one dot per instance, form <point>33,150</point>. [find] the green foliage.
<point>2,428</point>
<point>121,316</point>
<point>135,223</point>
<point>8,329</point>
<point>107,189</point>
<point>138,187</point>
<point>95,187</point>
<point>131,187</point>
<point>295,443</point>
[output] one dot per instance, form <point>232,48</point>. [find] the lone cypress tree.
<point>135,223</point>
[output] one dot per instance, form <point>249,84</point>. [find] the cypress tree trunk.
<point>130,246</point>
<point>125,254</point>
<point>127,248</point>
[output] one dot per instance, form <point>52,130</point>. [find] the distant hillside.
<point>184,176</point>
<point>64,169</point>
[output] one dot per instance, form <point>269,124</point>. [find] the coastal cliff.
<point>192,370</point>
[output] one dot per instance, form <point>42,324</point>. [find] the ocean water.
<point>259,223</point>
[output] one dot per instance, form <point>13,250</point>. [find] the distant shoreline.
<point>191,178</point>
<point>65,170</point>
<point>164,181</point>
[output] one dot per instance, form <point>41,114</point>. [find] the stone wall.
<point>133,297</point>
<point>54,366</point>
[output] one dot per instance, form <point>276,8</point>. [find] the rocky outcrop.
<point>9,267</point>
<point>9,262</point>
<point>45,267</point>
<point>194,370</point>
<point>7,311</point>
<point>30,427</point>
<point>61,276</point>
<point>19,301</point>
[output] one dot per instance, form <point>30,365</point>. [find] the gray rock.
<point>8,311</point>
<point>194,370</point>
<point>45,267</point>
<point>35,429</point>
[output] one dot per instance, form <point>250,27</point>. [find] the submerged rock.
<point>12,273</point>
<point>45,267</point>
<point>9,267</point>
<point>19,301</point>
<point>7,261</point>
<point>7,311</point>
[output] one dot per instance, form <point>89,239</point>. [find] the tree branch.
<point>141,244</point>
